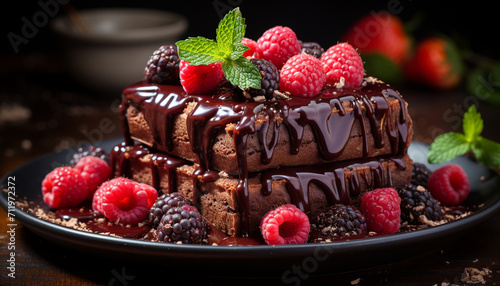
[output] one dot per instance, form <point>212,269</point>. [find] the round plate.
<point>286,261</point>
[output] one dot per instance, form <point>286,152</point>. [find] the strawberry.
<point>381,33</point>
<point>436,63</point>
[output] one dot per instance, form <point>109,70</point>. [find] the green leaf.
<point>230,31</point>
<point>380,66</point>
<point>487,152</point>
<point>241,72</point>
<point>446,147</point>
<point>239,49</point>
<point>472,124</point>
<point>199,51</point>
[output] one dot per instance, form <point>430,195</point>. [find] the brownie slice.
<point>224,133</point>
<point>309,187</point>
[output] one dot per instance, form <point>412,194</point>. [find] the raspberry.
<point>182,224</point>
<point>124,200</point>
<point>64,187</point>
<point>270,79</point>
<point>277,45</point>
<point>91,151</point>
<point>382,211</point>
<point>340,220</point>
<point>285,225</point>
<point>312,48</point>
<point>416,201</point>
<point>253,51</point>
<point>200,79</point>
<point>94,171</point>
<point>343,61</point>
<point>163,66</point>
<point>162,204</point>
<point>302,75</point>
<point>420,174</point>
<point>449,185</point>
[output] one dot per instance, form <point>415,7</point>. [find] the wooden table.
<point>51,113</point>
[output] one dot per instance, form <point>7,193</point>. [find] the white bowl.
<point>117,46</point>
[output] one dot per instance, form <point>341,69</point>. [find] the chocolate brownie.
<point>224,133</point>
<point>308,187</point>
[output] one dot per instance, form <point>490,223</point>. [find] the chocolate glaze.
<point>326,114</point>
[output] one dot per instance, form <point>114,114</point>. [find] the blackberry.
<point>162,204</point>
<point>182,224</point>
<point>420,174</point>
<point>340,220</point>
<point>312,48</point>
<point>91,151</point>
<point>163,66</point>
<point>270,80</point>
<point>417,201</point>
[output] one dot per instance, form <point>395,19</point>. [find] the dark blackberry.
<point>420,174</point>
<point>417,201</point>
<point>312,48</point>
<point>270,80</point>
<point>91,151</point>
<point>182,224</point>
<point>340,220</point>
<point>163,66</point>
<point>162,204</point>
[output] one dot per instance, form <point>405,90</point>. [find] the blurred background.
<point>44,108</point>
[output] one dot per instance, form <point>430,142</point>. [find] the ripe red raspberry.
<point>302,75</point>
<point>343,61</point>
<point>449,185</point>
<point>94,171</point>
<point>124,200</point>
<point>253,51</point>
<point>382,210</point>
<point>200,79</point>
<point>64,187</point>
<point>285,225</point>
<point>278,44</point>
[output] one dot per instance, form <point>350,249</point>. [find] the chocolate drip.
<point>331,178</point>
<point>331,116</point>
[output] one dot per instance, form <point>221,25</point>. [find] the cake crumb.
<point>356,281</point>
<point>474,275</point>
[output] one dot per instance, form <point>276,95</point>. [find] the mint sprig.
<point>452,144</point>
<point>226,49</point>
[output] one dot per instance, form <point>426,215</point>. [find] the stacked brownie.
<point>237,159</point>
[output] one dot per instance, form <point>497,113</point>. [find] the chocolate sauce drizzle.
<point>331,115</point>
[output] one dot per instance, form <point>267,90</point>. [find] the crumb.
<point>356,281</point>
<point>474,275</point>
<point>341,83</point>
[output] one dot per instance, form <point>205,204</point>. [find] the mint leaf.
<point>230,31</point>
<point>199,51</point>
<point>487,152</point>
<point>241,72</point>
<point>472,124</point>
<point>238,51</point>
<point>447,146</point>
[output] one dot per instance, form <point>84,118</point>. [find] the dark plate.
<point>286,261</point>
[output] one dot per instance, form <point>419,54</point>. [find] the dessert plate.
<point>286,261</point>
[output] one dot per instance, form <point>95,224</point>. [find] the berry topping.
<point>124,200</point>
<point>253,51</point>
<point>343,66</point>
<point>420,174</point>
<point>340,220</point>
<point>382,211</point>
<point>201,79</point>
<point>312,48</point>
<point>91,151</point>
<point>163,66</point>
<point>302,75</point>
<point>416,202</point>
<point>64,187</point>
<point>285,225</point>
<point>449,185</point>
<point>162,204</point>
<point>278,44</point>
<point>94,171</point>
<point>182,224</point>
<point>269,83</point>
